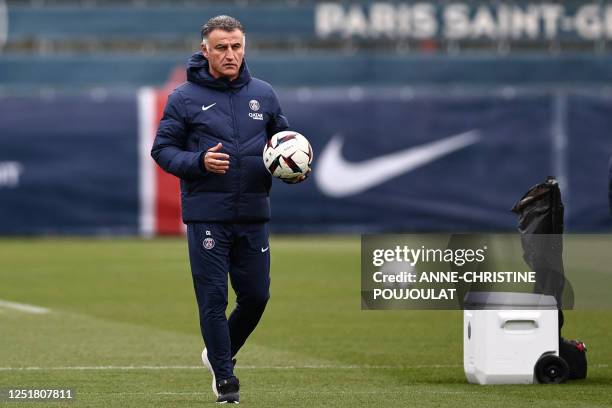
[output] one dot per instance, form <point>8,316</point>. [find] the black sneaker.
<point>207,364</point>
<point>229,391</point>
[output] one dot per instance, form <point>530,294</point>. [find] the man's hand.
<point>298,179</point>
<point>216,162</point>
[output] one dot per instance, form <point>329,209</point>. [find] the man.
<point>207,138</point>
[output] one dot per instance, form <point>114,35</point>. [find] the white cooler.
<point>504,335</point>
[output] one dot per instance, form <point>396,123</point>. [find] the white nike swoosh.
<point>265,249</point>
<point>337,177</point>
<point>208,107</point>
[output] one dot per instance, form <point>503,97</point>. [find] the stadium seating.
<point>315,70</point>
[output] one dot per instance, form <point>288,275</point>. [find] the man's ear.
<point>204,49</point>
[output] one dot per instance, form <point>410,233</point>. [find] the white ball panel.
<point>301,159</point>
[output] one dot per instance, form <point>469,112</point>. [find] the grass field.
<point>122,331</point>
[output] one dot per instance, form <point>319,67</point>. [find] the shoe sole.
<point>209,366</point>
<point>232,399</point>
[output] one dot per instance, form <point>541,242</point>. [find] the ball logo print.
<point>208,243</point>
<point>288,155</point>
<point>254,105</point>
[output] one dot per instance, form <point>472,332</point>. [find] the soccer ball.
<point>287,155</point>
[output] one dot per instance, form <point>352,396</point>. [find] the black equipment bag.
<point>540,213</point>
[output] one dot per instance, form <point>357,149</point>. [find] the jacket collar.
<point>197,72</point>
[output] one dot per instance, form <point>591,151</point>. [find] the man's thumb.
<point>216,148</point>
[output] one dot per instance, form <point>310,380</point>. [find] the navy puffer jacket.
<point>242,114</point>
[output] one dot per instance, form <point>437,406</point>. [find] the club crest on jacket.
<point>254,105</point>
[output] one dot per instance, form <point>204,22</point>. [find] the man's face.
<point>224,52</point>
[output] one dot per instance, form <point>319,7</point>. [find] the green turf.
<point>128,304</point>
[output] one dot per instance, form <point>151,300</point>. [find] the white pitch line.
<point>351,392</point>
<point>24,307</point>
<point>291,391</point>
<point>239,367</point>
<point>251,367</point>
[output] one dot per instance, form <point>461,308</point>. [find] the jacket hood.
<point>197,72</point>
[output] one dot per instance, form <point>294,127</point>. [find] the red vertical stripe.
<point>167,203</point>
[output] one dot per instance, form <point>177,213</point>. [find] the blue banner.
<point>401,160</point>
<point>588,152</point>
<point>68,164</point>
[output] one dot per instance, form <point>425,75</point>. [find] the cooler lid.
<point>508,300</point>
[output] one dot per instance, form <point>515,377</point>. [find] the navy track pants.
<point>243,251</point>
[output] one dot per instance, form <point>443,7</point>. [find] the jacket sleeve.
<point>169,147</point>
<point>278,121</point>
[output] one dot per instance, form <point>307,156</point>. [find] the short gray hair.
<point>222,22</point>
